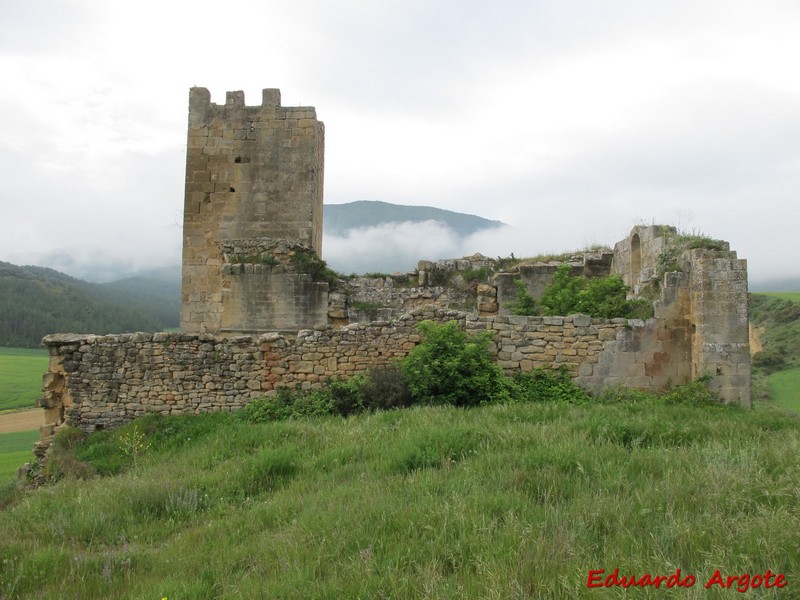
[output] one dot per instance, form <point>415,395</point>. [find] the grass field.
<point>785,387</point>
<point>793,296</point>
<point>15,451</point>
<point>502,501</point>
<point>21,371</point>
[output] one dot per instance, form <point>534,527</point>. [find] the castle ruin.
<point>254,177</point>
<point>253,319</point>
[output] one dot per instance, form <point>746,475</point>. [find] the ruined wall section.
<point>254,174</point>
<point>721,340</point>
<point>636,258</point>
<point>383,298</point>
<point>703,304</point>
<point>104,381</point>
<point>652,354</point>
<point>538,277</point>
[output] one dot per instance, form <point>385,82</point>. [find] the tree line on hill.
<point>37,301</point>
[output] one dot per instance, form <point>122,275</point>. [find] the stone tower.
<point>253,204</point>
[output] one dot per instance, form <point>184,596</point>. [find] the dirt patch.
<point>22,420</point>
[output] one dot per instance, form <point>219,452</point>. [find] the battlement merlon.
<point>200,103</point>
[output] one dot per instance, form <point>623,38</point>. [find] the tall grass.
<point>514,500</point>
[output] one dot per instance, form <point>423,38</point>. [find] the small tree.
<point>453,367</point>
<point>603,297</point>
<point>560,297</point>
<point>525,304</point>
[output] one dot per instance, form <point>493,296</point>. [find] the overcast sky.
<point>570,120</point>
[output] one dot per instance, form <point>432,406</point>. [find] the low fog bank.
<point>398,247</point>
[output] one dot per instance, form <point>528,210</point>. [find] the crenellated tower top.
<point>254,180</point>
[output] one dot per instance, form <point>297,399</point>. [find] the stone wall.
<point>719,321</point>
<point>97,382</point>
<point>382,298</point>
<point>254,179</point>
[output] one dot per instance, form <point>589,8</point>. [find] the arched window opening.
<point>636,259</point>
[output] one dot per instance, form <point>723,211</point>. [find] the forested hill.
<point>36,301</point>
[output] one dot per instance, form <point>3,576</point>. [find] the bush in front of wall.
<point>453,367</point>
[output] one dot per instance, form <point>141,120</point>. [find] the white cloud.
<point>569,120</point>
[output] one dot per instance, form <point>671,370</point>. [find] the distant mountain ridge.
<point>338,219</point>
<point>777,285</point>
<point>36,301</point>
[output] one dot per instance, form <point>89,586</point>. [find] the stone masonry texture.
<point>103,381</point>
<point>254,178</point>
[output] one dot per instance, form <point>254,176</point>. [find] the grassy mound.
<point>516,499</point>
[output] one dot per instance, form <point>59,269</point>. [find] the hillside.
<point>516,500</point>
<point>777,320</point>
<point>36,301</point>
<point>340,218</point>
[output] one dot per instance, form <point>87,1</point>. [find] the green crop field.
<point>21,371</point>
<point>15,451</point>
<point>793,296</point>
<point>785,386</point>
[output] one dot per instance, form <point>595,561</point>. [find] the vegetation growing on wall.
<point>601,297</point>
<point>478,275</point>
<point>306,261</point>
<point>667,261</point>
<point>524,304</point>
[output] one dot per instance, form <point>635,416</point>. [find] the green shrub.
<point>348,395</point>
<point>561,296</point>
<point>696,392</point>
<point>602,297</point>
<point>453,367</point>
<point>543,385</point>
<point>472,275</point>
<point>306,261</point>
<point>268,408</point>
<point>439,277</point>
<point>315,403</point>
<point>287,403</point>
<point>524,304</point>
<point>769,360</point>
<point>382,388</point>
<point>386,389</point>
